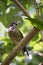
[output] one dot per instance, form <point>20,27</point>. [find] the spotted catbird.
<point>16,35</point>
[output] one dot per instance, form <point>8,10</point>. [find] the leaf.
<point>36,23</point>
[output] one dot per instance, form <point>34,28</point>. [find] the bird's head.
<point>13,25</point>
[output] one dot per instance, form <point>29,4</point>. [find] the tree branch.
<point>22,8</point>
<point>19,47</point>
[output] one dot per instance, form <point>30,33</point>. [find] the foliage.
<point>9,12</point>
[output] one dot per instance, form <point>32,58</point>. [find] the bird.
<point>16,36</point>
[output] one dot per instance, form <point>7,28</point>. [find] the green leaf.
<point>36,23</point>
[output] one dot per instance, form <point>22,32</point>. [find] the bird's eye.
<point>12,23</point>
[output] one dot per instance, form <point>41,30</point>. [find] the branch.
<point>22,8</point>
<point>19,47</point>
<point>37,9</point>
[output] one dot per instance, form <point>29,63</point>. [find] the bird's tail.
<point>25,51</point>
<point>27,55</point>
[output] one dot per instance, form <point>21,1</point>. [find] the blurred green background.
<point>10,12</point>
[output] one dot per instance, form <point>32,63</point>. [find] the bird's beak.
<point>17,23</point>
